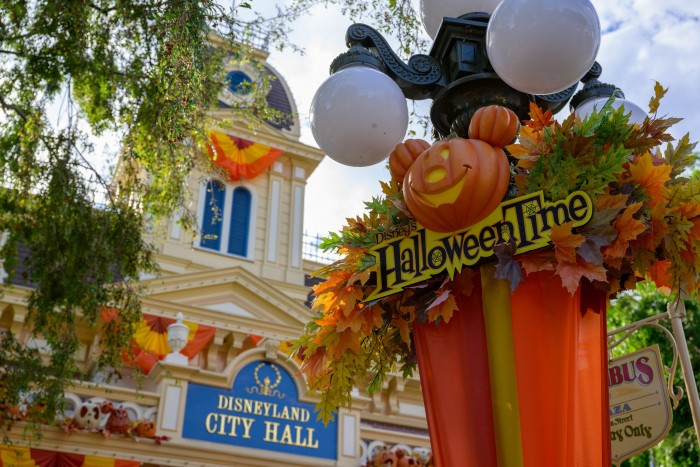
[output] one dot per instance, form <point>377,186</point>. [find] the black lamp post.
<point>475,61</point>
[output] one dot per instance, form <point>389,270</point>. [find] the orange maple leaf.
<point>539,120</point>
<point>689,210</point>
<point>347,340</point>
<point>403,327</point>
<point>354,320</point>
<point>537,261</point>
<point>571,273</point>
<point>658,228</point>
<point>659,273</point>
<point>605,201</point>
<point>650,177</point>
<point>443,307</point>
<point>463,282</point>
<point>565,242</point>
<point>314,365</point>
<point>628,228</point>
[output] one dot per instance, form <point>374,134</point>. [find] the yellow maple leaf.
<point>565,242</point>
<point>650,177</point>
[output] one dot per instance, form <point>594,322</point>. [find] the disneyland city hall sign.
<point>414,254</point>
<point>261,410</point>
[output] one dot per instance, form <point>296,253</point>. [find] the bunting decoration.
<point>150,341</point>
<point>240,157</point>
<point>13,456</point>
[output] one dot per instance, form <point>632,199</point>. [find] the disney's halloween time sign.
<point>261,410</point>
<point>414,254</point>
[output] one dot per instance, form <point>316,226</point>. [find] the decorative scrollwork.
<point>560,96</point>
<point>675,392</point>
<point>415,78</point>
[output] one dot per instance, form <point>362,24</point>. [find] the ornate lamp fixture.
<point>485,52</point>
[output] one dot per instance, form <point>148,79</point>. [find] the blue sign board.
<point>262,410</point>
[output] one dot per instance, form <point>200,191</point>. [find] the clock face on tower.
<point>238,82</point>
<point>239,86</point>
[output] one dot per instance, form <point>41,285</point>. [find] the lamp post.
<point>509,53</point>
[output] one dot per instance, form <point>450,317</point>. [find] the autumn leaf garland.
<point>646,223</point>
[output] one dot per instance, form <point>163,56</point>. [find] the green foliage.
<point>680,448</point>
<point>585,157</point>
<point>142,74</point>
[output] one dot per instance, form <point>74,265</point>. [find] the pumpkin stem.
<point>452,135</point>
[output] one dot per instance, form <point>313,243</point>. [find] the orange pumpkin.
<point>456,183</point>
<point>403,156</point>
<point>495,125</point>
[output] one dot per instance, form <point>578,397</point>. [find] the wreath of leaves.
<point>646,225</point>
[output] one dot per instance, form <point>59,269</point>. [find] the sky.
<point>643,41</point>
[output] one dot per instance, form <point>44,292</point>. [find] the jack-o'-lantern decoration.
<point>146,428</point>
<point>403,156</point>
<point>405,460</point>
<point>495,125</point>
<point>87,416</point>
<point>385,458</point>
<point>456,183</point>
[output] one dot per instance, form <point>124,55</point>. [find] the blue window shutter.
<point>240,222</point>
<point>211,220</point>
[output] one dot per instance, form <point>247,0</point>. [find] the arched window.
<point>240,222</point>
<point>212,215</point>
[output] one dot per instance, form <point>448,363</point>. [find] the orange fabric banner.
<point>454,375</point>
<point>242,158</point>
<point>536,371</point>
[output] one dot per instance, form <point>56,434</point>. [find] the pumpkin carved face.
<point>456,183</point>
<point>403,155</point>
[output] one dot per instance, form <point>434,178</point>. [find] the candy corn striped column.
<point>518,379</point>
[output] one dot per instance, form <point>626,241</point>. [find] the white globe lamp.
<point>543,46</point>
<point>636,113</point>
<point>432,11</point>
<point>358,115</point>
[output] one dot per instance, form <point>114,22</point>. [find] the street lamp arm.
<point>419,79</point>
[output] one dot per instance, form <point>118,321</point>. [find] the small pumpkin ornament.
<point>456,183</point>
<point>495,125</point>
<point>403,156</point>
